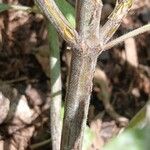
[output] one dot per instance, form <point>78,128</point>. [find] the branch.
<point>88,20</point>
<point>114,20</point>
<point>122,38</point>
<point>55,16</point>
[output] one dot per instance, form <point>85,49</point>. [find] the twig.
<point>37,145</point>
<point>114,20</point>
<point>101,80</point>
<point>18,8</point>
<point>16,80</point>
<point>55,16</point>
<point>122,38</point>
<point>22,8</point>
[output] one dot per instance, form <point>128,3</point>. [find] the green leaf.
<point>4,7</point>
<point>67,10</point>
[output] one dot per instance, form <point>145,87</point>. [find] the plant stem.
<point>122,38</point>
<point>77,100</point>
<point>55,16</point>
<point>55,76</point>
<point>114,20</point>
<point>83,64</point>
<point>88,20</point>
